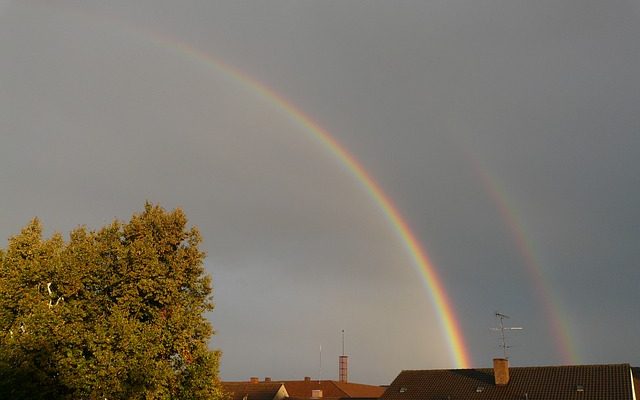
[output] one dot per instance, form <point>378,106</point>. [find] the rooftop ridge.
<point>524,366</point>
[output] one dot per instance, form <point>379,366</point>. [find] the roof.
<point>612,382</point>
<point>252,391</point>
<point>357,390</point>
<point>331,389</point>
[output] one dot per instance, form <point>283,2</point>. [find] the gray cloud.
<point>97,117</point>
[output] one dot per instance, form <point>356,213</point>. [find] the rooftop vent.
<point>403,389</point>
<point>480,389</point>
<point>579,388</point>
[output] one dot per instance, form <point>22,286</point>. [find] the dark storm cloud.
<point>543,95</point>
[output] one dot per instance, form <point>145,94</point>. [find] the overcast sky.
<point>506,132</point>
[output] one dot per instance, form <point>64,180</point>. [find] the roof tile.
<point>611,382</point>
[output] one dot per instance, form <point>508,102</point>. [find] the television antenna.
<point>320,367</point>
<point>502,329</point>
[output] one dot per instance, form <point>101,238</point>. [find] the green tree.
<point>116,313</point>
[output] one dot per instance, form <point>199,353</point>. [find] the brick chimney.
<point>267,379</point>
<point>307,379</point>
<point>501,371</point>
<point>254,379</point>
<point>343,369</point>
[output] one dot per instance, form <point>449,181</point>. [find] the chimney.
<point>254,379</point>
<point>307,379</point>
<point>501,371</point>
<point>343,370</point>
<point>267,379</point>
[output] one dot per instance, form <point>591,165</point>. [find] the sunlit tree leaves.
<point>116,313</point>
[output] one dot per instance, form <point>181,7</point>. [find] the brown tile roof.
<point>253,391</point>
<point>331,389</point>
<point>611,382</point>
<point>357,390</point>
<point>636,381</point>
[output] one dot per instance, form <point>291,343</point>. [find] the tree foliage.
<point>116,313</point>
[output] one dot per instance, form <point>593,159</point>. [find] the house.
<point>255,390</point>
<point>328,389</point>
<point>304,389</point>
<point>307,388</point>
<point>575,382</point>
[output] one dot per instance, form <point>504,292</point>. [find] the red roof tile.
<point>331,389</point>
<point>357,390</point>
<point>252,391</point>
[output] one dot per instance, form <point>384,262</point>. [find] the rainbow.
<point>418,254</point>
<point>421,261</point>
<point>559,329</point>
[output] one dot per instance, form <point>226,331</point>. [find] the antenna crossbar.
<point>502,330</point>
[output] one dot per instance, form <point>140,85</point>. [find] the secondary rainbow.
<point>559,329</point>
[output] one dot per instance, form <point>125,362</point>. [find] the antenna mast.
<point>320,369</point>
<point>502,329</point>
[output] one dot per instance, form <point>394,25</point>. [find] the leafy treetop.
<point>116,313</point>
